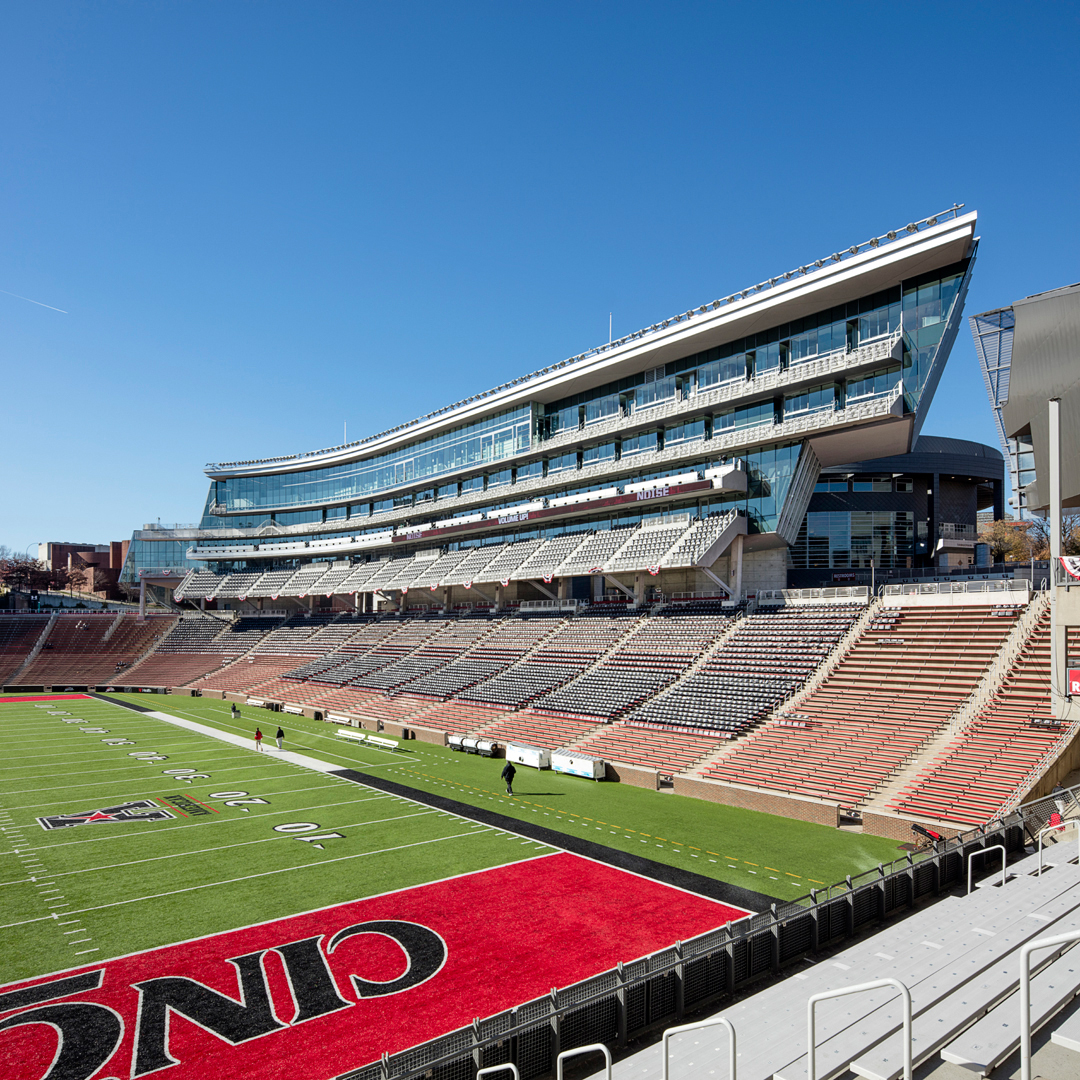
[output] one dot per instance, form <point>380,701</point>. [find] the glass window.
<point>905,483</point>
<point>830,485</point>
<point>335,512</point>
<point>766,358</point>
<point>529,470</point>
<point>360,510</point>
<point>639,444</point>
<point>814,399</point>
<point>679,433</point>
<point>872,483</point>
<point>601,408</point>
<point>497,479</point>
<point>876,384</point>
<point>879,322</point>
<point>748,416</point>
<point>592,455</point>
<point>474,483</point>
<point>447,491</point>
<point>656,389</point>
<point>562,463</point>
<point>720,372</point>
<point>851,539</point>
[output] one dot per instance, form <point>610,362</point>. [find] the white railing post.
<point>583,1050</point>
<point>498,1068</point>
<point>983,851</point>
<point>1025,993</point>
<point>711,1022</point>
<point>1061,826</point>
<point>877,984</point>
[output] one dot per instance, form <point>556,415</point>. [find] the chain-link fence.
<point>620,1004</point>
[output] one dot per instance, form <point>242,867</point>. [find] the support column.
<point>738,545</point>
<point>564,588</point>
<point>1055,550</point>
<point>498,596</point>
<point>142,599</point>
<point>639,590</point>
<point>358,602</point>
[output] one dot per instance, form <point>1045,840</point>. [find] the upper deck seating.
<point>198,585</point>
<point>589,556</point>
<point>985,766</point>
<point>509,560</point>
<point>473,566</point>
<point>647,547</point>
<point>236,586</point>
<point>545,559</point>
<point>907,673</point>
<point>270,583</point>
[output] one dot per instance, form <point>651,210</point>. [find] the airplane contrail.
<point>38,302</point>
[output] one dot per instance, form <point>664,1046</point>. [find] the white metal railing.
<point>1058,827</point>
<point>713,1021</point>
<point>983,851</point>
<point>1025,992</point>
<point>492,1069</point>
<point>847,594</point>
<point>591,1048</point>
<point>947,588</point>
<point>825,995</point>
<point>551,605</point>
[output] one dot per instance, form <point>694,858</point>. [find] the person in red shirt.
<point>258,739</point>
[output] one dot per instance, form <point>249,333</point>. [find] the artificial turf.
<point>769,854</point>
<point>82,893</point>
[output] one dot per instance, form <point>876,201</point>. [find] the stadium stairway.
<point>21,639</point>
<point>896,688</point>
<point>885,799</point>
<point>960,960</point>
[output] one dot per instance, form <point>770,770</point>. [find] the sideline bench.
<point>364,737</point>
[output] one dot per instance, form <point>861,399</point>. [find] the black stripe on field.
<point>124,704</point>
<point>622,860</point>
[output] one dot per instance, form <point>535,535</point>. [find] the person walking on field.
<point>280,738</point>
<point>258,739</point>
<point>508,774</point>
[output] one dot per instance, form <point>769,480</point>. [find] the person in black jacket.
<point>508,774</point>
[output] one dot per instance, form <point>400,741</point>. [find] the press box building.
<point>680,459</point>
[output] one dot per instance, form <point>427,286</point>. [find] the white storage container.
<point>534,756</point>
<point>565,761</point>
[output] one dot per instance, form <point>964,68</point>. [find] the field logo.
<point>142,810</point>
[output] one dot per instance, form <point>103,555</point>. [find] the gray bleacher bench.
<point>371,740</point>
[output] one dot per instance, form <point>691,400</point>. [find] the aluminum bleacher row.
<point>960,960</point>
<point>675,543</point>
<point>890,694</point>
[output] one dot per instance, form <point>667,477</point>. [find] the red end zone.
<point>44,697</point>
<point>336,988</point>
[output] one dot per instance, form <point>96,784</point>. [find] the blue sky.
<point>263,220</point>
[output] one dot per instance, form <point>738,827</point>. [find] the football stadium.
<point>631,715</point>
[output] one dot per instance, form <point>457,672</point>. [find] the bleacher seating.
<point>702,534</point>
<point>270,583</point>
<point>302,582</point>
<point>647,547</point>
<point>236,586</point>
<point>767,657</point>
<point>94,648</point>
<point>985,765</point>
<point>666,751</point>
<point>180,656</point>
<point>473,566</point>
<point>891,693</point>
<point>657,653</point>
<point>198,585</point>
<point>546,558</point>
<point>509,560</point>
<point>18,636</point>
<point>589,556</point>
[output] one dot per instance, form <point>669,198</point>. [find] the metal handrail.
<point>992,847</point>
<point>499,1068</point>
<point>711,1022</point>
<point>585,1050</point>
<point>1025,993</point>
<point>1059,827</point>
<point>877,984</point>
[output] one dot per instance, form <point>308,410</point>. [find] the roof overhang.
<point>832,284</point>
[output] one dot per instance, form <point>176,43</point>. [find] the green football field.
<point>756,851</point>
<point>242,837</point>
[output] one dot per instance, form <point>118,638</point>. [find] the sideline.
<point>747,899</point>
